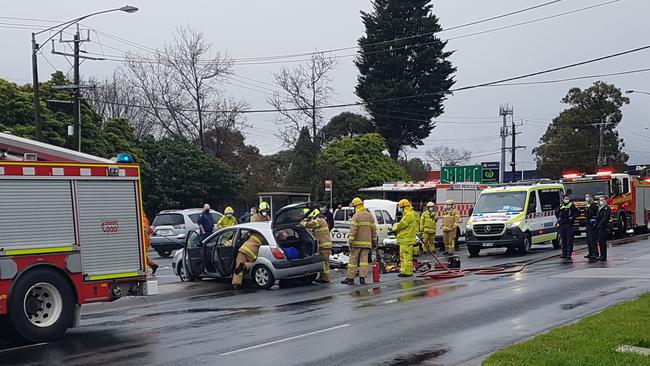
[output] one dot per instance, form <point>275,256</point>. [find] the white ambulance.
<point>515,217</point>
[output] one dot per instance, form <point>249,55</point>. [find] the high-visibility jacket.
<point>363,230</point>
<point>258,217</point>
<point>321,231</point>
<point>226,221</point>
<point>428,222</point>
<point>251,247</point>
<point>407,228</point>
<point>450,219</point>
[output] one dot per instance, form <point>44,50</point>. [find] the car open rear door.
<point>193,254</point>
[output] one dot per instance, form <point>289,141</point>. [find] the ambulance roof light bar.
<point>570,175</point>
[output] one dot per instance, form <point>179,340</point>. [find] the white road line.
<point>23,347</point>
<point>284,340</point>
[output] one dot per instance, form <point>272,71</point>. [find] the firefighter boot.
<point>348,281</point>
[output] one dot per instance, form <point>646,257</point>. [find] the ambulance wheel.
<point>41,306</point>
<point>473,251</point>
<point>557,242</point>
<point>527,243</point>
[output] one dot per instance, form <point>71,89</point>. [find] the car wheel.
<point>525,246</point>
<point>263,277</point>
<point>473,251</point>
<point>41,306</point>
<point>183,274</point>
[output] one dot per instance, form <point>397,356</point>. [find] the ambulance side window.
<point>532,202</point>
<point>549,199</point>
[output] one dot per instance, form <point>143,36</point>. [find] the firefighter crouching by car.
<point>566,215</point>
<point>407,231</point>
<point>450,220</point>
<point>262,213</point>
<point>228,219</point>
<point>428,227</point>
<point>148,231</point>
<point>246,256</point>
<point>361,239</point>
<point>317,223</point>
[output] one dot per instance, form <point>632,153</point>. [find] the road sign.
<point>490,172</point>
<point>328,186</point>
<point>465,173</point>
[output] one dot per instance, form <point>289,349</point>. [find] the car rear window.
<point>168,219</point>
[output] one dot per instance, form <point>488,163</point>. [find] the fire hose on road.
<point>442,271</point>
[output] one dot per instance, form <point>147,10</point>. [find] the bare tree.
<point>447,156</point>
<point>112,98</point>
<point>304,90</point>
<point>180,87</point>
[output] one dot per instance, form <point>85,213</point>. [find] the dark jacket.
<point>602,219</point>
<point>591,211</point>
<point>329,217</point>
<point>207,221</point>
<point>566,213</point>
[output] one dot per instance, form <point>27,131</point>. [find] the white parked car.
<point>384,212</point>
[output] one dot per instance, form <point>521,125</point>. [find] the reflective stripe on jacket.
<point>450,219</point>
<point>321,231</point>
<point>363,230</point>
<point>407,228</point>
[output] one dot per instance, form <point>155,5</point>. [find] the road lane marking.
<point>284,340</point>
<point>23,347</point>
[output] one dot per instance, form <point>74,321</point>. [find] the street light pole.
<point>636,91</point>
<point>36,47</point>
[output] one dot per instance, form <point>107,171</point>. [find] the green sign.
<point>490,172</point>
<point>465,173</point>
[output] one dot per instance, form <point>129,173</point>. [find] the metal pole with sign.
<point>328,188</point>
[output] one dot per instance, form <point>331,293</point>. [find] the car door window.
<point>379,217</point>
<point>532,202</point>
<point>549,199</point>
<point>387,218</point>
<point>226,239</point>
<point>193,240</point>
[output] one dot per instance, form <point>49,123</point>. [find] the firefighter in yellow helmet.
<point>406,230</point>
<point>228,219</point>
<point>428,227</point>
<point>246,256</point>
<point>318,225</point>
<point>450,221</point>
<point>361,239</point>
<point>263,213</point>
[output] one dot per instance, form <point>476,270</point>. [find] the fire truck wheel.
<point>41,305</point>
<point>622,227</point>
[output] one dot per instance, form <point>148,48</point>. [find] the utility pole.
<point>76,107</point>
<point>513,150</point>
<point>37,95</point>
<point>504,111</point>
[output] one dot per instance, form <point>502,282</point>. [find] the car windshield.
<point>168,220</point>
<point>580,189</point>
<point>500,202</point>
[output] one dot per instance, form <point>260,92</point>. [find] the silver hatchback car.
<point>289,251</point>
<point>170,228</point>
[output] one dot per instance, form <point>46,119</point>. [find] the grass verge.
<point>591,341</point>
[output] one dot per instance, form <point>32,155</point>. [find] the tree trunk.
<point>393,151</point>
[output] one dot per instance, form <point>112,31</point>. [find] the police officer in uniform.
<point>602,227</point>
<point>566,215</point>
<point>591,211</point>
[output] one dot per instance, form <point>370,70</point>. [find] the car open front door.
<point>193,254</point>
<point>225,252</point>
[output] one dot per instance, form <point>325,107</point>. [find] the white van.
<point>514,217</point>
<point>384,212</point>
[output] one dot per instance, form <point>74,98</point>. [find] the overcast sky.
<point>261,28</point>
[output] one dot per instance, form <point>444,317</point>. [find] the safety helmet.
<point>431,204</point>
<point>229,210</point>
<point>404,203</point>
<point>264,206</point>
<point>450,202</point>
<point>357,201</point>
<point>314,214</point>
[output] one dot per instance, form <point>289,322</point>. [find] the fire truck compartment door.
<point>35,214</point>
<point>110,228</point>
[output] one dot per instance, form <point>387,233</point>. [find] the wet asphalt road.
<point>395,322</point>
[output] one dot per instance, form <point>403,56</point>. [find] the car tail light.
<point>277,253</point>
<point>179,227</point>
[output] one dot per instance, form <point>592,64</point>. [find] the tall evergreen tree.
<point>572,140</point>
<point>403,60</point>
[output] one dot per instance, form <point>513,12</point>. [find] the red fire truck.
<point>70,234</point>
<point>629,198</point>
